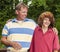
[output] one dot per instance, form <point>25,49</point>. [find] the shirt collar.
<point>49,29</point>
<point>15,20</point>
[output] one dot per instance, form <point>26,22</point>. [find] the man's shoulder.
<point>9,21</point>
<point>30,20</point>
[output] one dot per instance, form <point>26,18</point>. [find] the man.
<point>17,33</point>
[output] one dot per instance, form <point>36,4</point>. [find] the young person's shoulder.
<point>38,27</point>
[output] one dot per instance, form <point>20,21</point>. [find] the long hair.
<point>46,14</point>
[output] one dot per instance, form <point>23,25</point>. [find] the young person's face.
<point>22,14</point>
<point>46,22</point>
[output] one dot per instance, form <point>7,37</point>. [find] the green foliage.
<point>58,25</point>
<point>25,1</point>
<point>39,2</point>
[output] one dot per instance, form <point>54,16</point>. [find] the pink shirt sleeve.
<point>56,42</point>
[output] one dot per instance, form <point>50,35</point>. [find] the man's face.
<point>22,14</point>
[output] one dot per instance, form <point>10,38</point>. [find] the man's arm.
<point>55,30</point>
<point>6,42</point>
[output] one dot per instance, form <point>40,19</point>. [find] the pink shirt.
<point>44,42</point>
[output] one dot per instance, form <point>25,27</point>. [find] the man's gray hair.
<point>21,4</point>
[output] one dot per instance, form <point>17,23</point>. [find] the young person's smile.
<point>46,22</point>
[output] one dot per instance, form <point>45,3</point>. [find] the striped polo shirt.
<point>19,31</point>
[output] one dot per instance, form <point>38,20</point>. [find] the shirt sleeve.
<point>5,31</point>
<point>33,22</point>
<point>56,42</point>
<point>32,46</point>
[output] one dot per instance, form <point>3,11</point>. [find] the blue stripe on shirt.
<point>5,27</point>
<point>21,31</point>
<point>25,44</point>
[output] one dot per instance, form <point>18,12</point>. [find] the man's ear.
<point>16,12</point>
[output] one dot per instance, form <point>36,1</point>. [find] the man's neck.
<point>19,19</point>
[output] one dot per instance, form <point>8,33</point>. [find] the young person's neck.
<point>44,29</point>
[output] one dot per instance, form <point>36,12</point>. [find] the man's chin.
<point>23,19</point>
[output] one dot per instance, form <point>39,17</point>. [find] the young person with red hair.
<point>44,39</point>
